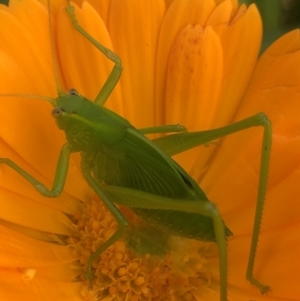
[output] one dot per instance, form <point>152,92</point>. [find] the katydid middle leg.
<point>114,211</point>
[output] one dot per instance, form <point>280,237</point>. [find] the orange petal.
<point>34,40</point>
<point>16,286</point>
<point>275,82</point>
<point>276,264</point>
<point>102,8</point>
<point>134,28</point>
<point>194,78</point>
<point>241,44</point>
<point>33,215</point>
<point>18,250</point>
<point>84,67</point>
<point>220,17</point>
<point>179,14</point>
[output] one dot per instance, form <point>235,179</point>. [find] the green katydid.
<point>142,174</point>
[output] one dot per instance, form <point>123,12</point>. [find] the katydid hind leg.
<point>116,72</point>
<point>59,178</point>
<point>114,211</point>
<point>177,143</point>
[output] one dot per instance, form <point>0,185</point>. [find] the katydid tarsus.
<point>161,192</point>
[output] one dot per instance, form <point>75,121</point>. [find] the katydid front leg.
<point>59,178</point>
<point>116,72</point>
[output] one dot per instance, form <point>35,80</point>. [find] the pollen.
<point>123,273</point>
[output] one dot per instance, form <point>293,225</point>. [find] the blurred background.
<point>279,16</point>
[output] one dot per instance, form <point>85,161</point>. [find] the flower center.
<point>146,265</point>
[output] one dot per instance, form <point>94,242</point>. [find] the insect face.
<point>87,126</point>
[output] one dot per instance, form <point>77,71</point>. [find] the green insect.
<point>142,175</point>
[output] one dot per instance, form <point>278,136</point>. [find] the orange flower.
<point>189,62</point>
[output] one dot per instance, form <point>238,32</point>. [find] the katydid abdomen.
<point>138,165</point>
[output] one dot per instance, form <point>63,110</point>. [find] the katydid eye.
<point>57,112</point>
<point>73,92</point>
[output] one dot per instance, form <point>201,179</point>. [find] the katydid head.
<point>66,104</point>
<point>86,124</point>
